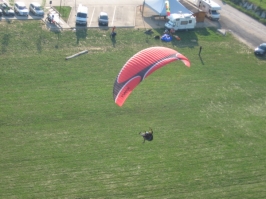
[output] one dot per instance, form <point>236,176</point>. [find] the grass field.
<point>62,136</point>
<point>260,3</point>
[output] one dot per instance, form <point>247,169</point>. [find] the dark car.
<point>7,10</point>
<point>261,49</point>
<point>1,12</point>
<point>103,19</point>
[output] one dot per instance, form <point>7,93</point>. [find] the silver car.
<point>21,9</point>
<point>36,9</point>
<point>103,19</point>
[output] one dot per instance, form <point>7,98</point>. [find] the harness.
<point>148,137</point>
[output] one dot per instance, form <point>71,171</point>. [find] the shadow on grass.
<point>184,38</point>
<point>58,39</point>
<point>39,43</point>
<point>81,33</point>
<point>5,42</point>
<point>261,57</point>
<point>205,31</point>
<point>202,62</point>
<point>149,35</point>
<point>187,38</point>
<point>5,38</point>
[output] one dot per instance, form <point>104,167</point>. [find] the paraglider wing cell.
<point>140,66</point>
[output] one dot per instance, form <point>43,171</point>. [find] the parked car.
<point>261,49</point>
<point>36,9</point>
<point>6,9</point>
<point>103,19</point>
<point>21,9</point>
<point>82,15</point>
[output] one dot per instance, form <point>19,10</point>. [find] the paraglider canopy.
<point>140,66</point>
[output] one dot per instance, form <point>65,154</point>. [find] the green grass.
<point>64,11</point>
<point>62,136</point>
<point>260,3</point>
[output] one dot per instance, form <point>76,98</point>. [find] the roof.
<point>213,4</point>
<point>103,14</point>
<point>20,3</point>
<point>82,8</point>
<point>35,3</point>
<point>177,15</point>
<point>158,6</point>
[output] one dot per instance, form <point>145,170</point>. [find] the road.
<point>244,27</point>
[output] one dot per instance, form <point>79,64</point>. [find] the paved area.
<point>129,16</point>
<point>126,13</point>
<point>119,16</point>
<point>59,24</point>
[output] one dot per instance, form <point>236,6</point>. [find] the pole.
<point>142,10</point>
<point>60,9</point>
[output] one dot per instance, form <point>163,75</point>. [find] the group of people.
<point>50,18</point>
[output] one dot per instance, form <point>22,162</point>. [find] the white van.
<point>181,21</point>
<point>210,7</point>
<point>82,15</point>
